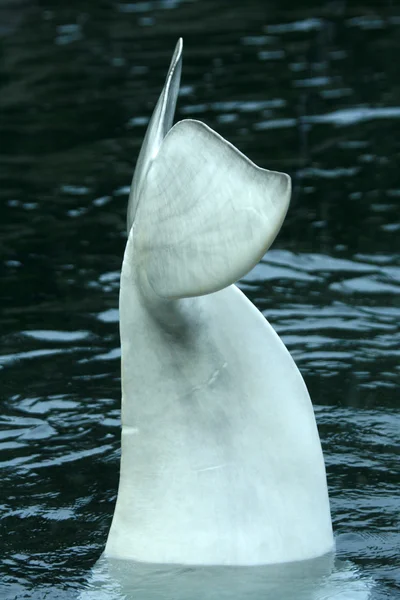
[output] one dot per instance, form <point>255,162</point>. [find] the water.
<point>310,89</point>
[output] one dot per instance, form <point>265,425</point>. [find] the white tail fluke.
<point>160,123</point>
<point>207,214</point>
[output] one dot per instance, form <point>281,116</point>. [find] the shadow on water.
<point>310,88</point>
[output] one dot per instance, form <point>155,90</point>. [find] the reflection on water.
<point>311,89</point>
<point>316,579</point>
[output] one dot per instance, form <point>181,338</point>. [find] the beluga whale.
<point>221,459</point>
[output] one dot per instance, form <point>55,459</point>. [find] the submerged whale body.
<point>316,579</point>
<point>221,459</point>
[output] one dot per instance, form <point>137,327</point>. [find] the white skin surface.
<point>221,459</point>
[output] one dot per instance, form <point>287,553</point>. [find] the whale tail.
<point>221,462</point>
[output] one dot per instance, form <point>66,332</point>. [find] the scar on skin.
<point>210,468</point>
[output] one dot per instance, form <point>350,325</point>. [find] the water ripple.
<point>310,90</point>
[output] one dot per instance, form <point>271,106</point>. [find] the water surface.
<point>310,89</point>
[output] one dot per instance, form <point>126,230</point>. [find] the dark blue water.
<point>310,88</point>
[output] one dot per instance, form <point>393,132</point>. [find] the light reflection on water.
<point>312,91</point>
